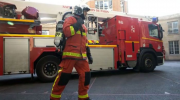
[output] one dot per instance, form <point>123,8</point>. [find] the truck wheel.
<point>148,63</point>
<point>47,68</point>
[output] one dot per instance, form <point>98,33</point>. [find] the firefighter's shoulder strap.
<point>77,19</point>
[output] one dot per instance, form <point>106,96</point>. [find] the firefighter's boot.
<point>89,99</point>
<point>86,99</point>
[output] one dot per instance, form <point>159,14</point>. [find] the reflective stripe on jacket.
<point>75,44</point>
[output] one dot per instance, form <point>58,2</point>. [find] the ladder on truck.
<point>91,24</point>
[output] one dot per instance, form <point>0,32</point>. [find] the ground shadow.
<point>29,80</point>
<point>107,73</point>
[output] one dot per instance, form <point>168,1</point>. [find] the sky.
<point>154,7</point>
<point>137,7</point>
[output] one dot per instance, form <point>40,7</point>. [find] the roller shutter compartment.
<point>16,56</point>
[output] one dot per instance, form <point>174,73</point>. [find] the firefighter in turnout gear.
<point>75,54</point>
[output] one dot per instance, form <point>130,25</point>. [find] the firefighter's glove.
<point>90,59</point>
<point>88,52</point>
<point>78,24</point>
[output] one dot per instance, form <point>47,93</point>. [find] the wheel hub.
<point>50,69</point>
<point>148,62</point>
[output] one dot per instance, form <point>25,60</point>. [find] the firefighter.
<point>75,54</point>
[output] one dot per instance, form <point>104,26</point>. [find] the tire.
<point>148,63</point>
<point>47,68</point>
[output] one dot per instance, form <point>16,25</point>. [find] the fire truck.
<point>117,41</point>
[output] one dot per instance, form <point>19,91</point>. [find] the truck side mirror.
<point>160,32</point>
<point>160,35</point>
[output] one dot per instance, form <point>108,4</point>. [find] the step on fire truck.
<point>120,41</point>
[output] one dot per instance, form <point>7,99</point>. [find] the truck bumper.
<point>160,60</point>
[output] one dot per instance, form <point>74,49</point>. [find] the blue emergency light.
<point>155,19</point>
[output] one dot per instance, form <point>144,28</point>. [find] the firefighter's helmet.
<point>85,8</point>
<point>79,10</point>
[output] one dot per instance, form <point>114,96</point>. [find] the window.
<point>45,32</point>
<point>173,27</point>
<point>97,4</point>
<point>153,30</point>
<point>122,5</point>
<point>173,47</point>
<point>103,4</point>
<point>110,4</point>
<point>106,4</point>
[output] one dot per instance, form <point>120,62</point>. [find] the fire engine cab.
<point>116,40</point>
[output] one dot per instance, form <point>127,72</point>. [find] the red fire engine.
<point>122,42</point>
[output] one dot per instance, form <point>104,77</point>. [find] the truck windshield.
<point>153,30</point>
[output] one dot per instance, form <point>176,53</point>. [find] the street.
<point>162,84</point>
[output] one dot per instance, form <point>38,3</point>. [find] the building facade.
<point>111,5</point>
<point>171,36</point>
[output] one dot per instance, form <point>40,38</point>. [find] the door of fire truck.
<point>128,37</point>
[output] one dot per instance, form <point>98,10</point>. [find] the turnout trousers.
<point>64,74</point>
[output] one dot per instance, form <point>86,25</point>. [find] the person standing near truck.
<point>75,54</point>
